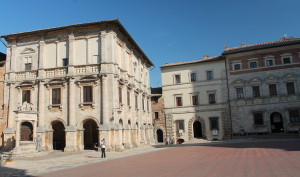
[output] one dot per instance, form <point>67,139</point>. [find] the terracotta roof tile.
<point>281,42</point>
<point>192,61</point>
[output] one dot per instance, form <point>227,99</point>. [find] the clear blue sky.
<point>167,30</point>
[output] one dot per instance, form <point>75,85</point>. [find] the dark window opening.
<point>87,94</point>
<point>26,96</point>
<point>56,96</point>
<point>258,119</point>
<point>214,123</point>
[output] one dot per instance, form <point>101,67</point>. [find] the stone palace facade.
<point>75,85</point>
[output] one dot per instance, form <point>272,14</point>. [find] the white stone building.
<point>264,86</point>
<point>75,85</point>
<point>196,102</point>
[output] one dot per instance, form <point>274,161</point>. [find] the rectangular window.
<point>136,102</point>
<point>193,77</point>
<point>120,95</point>
<point>65,61</point>
<point>177,79</point>
<point>269,62</point>
<point>28,66</point>
<point>211,98</point>
<point>56,96</point>
<point>272,89</point>
<point>156,115</point>
<point>239,93</point>
<point>147,104</point>
<point>294,116</point>
<point>209,75</point>
<point>87,94</point>
<point>128,98</point>
<point>214,123</point>
<point>286,60</point>
<point>256,92</point>
<point>180,125</point>
<point>178,101</point>
<point>26,96</point>
<point>195,99</point>
<point>258,119</point>
<point>290,88</point>
<point>237,67</point>
<point>253,64</point>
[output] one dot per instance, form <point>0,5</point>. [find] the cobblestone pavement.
<point>228,158</point>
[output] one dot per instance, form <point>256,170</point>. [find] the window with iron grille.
<point>239,93</point>
<point>294,116</point>
<point>214,123</point>
<point>258,118</point>
<point>272,89</point>
<point>87,94</point>
<point>256,92</point>
<point>178,101</point>
<point>209,75</point>
<point>195,99</point>
<point>286,60</point>
<point>177,79</point>
<point>253,64</point>
<point>237,66</point>
<point>290,88</point>
<point>193,77</point>
<point>26,96</point>
<point>56,96</point>
<point>212,98</point>
<point>28,66</point>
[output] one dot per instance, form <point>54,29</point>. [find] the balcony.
<point>56,72</point>
<point>26,75</point>
<point>86,69</point>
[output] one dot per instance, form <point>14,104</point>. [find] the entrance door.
<point>26,131</point>
<point>197,129</point>
<point>160,136</point>
<point>90,134</point>
<point>276,123</point>
<point>59,136</point>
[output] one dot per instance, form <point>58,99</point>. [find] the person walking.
<point>38,143</point>
<point>102,145</point>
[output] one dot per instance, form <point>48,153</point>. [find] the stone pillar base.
<point>129,145</point>
<point>71,143</point>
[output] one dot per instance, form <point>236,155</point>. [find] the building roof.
<point>282,42</point>
<point>114,21</point>
<point>208,59</point>
<point>2,57</point>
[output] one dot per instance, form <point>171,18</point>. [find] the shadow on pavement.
<point>6,172</point>
<point>287,145</point>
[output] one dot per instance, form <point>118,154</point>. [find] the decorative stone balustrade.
<point>56,72</point>
<point>26,75</point>
<point>86,69</point>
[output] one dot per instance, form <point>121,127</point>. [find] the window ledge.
<point>92,104</point>
<point>51,106</point>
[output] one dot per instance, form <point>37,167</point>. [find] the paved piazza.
<point>229,158</point>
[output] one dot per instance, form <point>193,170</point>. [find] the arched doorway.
<point>197,129</point>
<point>26,131</point>
<point>59,136</point>
<point>160,136</point>
<point>90,134</point>
<point>276,123</point>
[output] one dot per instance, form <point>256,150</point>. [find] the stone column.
<point>41,107</point>
<point>71,55</point>
<point>71,140</point>
<point>41,59</point>
<point>17,145</point>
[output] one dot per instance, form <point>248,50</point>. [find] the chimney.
<point>243,44</point>
<point>292,37</point>
<point>282,38</point>
<point>226,47</point>
<point>205,57</point>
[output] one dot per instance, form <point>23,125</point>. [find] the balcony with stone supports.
<point>86,69</point>
<point>56,72</point>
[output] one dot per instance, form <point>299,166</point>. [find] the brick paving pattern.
<point>256,158</point>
